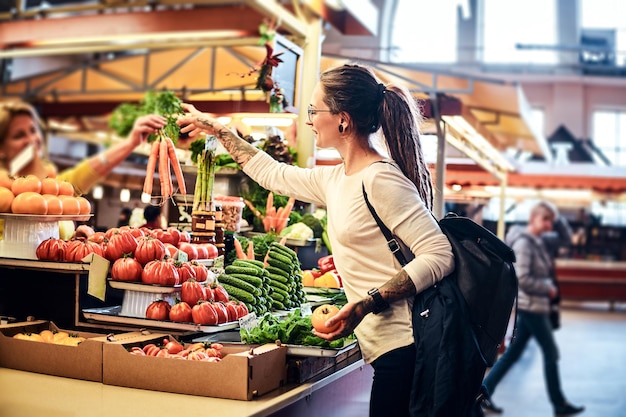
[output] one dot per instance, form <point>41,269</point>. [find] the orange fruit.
<point>50,186</point>
<point>6,198</point>
<point>29,202</point>
<point>71,206</point>
<point>66,188</point>
<point>55,205</point>
<point>85,205</point>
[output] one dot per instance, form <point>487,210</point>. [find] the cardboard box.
<point>243,373</point>
<point>81,362</point>
<point>301,369</point>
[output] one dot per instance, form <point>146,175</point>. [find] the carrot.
<point>239,250</point>
<point>288,207</point>
<point>250,250</point>
<point>171,152</point>
<point>254,210</point>
<point>269,204</point>
<point>151,167</point>
<point>164,170</point>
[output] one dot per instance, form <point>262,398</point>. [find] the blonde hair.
<point>10,109</point>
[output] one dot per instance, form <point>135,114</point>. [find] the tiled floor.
<point>592,342</point>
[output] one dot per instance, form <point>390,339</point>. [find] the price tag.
<point>182,256</point>
<point>248,322</point>
<point>97,275</point>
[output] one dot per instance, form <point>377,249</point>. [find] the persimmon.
<point>71,206</point>
<point>49,186</point>
<point>55,205</point>
<point>85,205</point>
<point>29,202</point>
<point>26,183</point>
<point>6,198</point>
<point>5,179</point>
<point>66,188</point>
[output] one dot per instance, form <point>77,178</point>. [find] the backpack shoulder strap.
<point>392,243</point>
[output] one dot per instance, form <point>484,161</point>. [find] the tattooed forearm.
<point>240,150</point>
<point>398,287</point>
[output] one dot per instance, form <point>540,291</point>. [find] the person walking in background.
<point>21,127</point>
<point>535,246</point>
<point>124,218</point>
<point>350,109</point>
<point>152,214</point>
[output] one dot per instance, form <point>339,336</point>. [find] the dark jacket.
<point>447,359</point>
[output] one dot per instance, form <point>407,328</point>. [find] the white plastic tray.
<point>112,315</point>
<point>299,350</point>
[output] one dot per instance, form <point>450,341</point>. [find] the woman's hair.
<point>355,90</point>
<point>10,109</point>
<point>544,208</point>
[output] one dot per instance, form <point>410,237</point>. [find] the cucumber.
<point>250,279</point>
<point>247,262</point>
<point>279,278</point>
<point>280,285</point>
<point>277,305</point>
<point>247,270</point>
<point>280,257</point>
<point>282,292</point>
<point>286,267</point>
<point>277,296</point>
<point>276,271</point>
<point>239,283</point>
<point>238,293</point>
<point>284,249</point>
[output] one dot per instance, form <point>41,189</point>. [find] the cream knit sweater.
<point>359,248</point>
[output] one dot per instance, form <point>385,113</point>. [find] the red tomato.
<point>184,236</point>
<point>243,309</point>
<point>222,312</point>
<point>149,249</point>
<point>212,251</point>
<point>110,232</point>
<point>189,249</point>
<point>171,250</point>
<point>203,252</point>
<point>98,237</point>
<point>181,312</point>
<point>51,249</point>
<point>219,293</point>
<point>204,313</point>
<point>158,310</point>
<point>120,244</point>
<point>185,271</point>
<point>191,292</point>
<point>202,272</point>
<point>135,231</point>
<point>210,295</point>
<point>165,236</point>
<point>160,273</point>
<point>172,346</point>
<point>126,269</point>
<point>78,248</point>
<point>232,310</point>
<point>175,235</point>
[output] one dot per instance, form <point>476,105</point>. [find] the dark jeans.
<point>391,389</point>
<point>537,326</point>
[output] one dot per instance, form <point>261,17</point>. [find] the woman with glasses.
<point>349,110</point>
<point>21,130</point>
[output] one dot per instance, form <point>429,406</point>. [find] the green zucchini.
<point>247,270</point>
<point>238,293</point>
<point>250,279</point>
<point>239,283</point>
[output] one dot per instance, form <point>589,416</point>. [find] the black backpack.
<point>484,274</point>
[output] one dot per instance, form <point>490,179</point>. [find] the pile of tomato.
<point>31,195</point>
<point>207,352</point>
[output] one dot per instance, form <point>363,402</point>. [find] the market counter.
<point>592,280</point>
<point>343,392</point>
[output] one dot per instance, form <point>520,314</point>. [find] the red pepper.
<point>326,263</point>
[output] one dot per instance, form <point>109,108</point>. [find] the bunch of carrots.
<point>162,157</point>
<point>275,220</point>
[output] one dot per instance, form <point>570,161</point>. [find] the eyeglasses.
<point>312,111</point>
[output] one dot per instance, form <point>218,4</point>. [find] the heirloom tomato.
<point>29,202</point>
<point>27,183</point>
<point>203,253</point>
<point>127,269</point>
<point>189,249</point>
<point>321,314</point>
<point>51,249</point>
<point>181,312</point>
<point>175,235</point>
<point>160,273</point>
<point>219,293</point>
<point>202,272</point>
<point>232,310</point>
<point>149,249</point>
<point>185,271</point>
<point>78,248</point>
<point>204,313</point>
<point>191,292</point>
<point>119,244</point>
<point>222,312</point>
<point>165,236</point>
<point>158,310</point>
